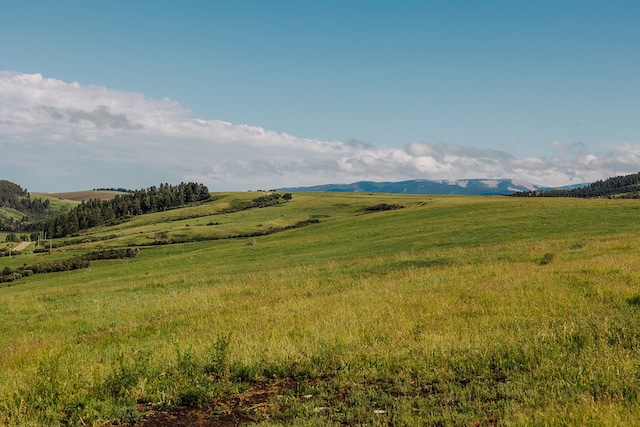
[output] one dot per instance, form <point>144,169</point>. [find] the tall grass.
<point>453,311</point>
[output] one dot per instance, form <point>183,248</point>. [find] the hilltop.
<point>13,196</point>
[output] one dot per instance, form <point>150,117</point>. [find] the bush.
<point>112,254</point>
<point>306,222</point>
<point>218,365</point>
<point>546,258</point>
<point>10,277</point>
<point>60,265</point>
<point>384,207</point>
<point>195,396</point>
<point>635,300</point>
<point>268,200</point>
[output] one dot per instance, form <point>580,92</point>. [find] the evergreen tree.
<point>95,212</point>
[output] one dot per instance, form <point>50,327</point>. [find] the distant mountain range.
<point>480,187</point>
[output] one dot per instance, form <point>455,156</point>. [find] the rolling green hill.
<point>318,311</point>
<point>9,214</point>
<point>21,211</point>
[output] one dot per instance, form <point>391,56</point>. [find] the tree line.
<point>96,212</point>
<point>624,186</point>
<point>83,261</point>
<point>119,189</point>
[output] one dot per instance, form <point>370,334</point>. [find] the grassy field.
<point>451,311</point>
<point>78,196</point>
<point>10,214</point>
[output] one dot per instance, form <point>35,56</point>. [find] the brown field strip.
<point>21,246</point>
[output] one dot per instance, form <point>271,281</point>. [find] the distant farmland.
<point>79,196</point>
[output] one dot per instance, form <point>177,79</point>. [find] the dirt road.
<point>21,246</point>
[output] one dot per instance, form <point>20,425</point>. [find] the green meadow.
<point>451,311</point>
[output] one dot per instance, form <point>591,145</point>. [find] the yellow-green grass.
<point>452,311</point>
<point>57,201</point>
<point>10,214</point>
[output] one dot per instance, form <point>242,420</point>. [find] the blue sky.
<point>281,93</point>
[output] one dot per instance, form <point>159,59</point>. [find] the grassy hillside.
<point>58,200</point>
<point>10,214</point>
<point>20,212</point>
<point>451,311</point>
<point>58,203</point>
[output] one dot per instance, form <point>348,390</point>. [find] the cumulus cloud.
<point>56,136</point>
<point>575,148</point>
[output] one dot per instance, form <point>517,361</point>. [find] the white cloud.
<point>61,136</point>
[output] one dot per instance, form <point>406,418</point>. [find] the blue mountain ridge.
<point>479,187</point>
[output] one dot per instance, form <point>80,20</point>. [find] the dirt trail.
<point>21,246</point>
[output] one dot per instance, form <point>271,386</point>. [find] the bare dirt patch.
<point>252,405</point>
<point>21,246</point>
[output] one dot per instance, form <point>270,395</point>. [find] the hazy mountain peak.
<point>485,187</point>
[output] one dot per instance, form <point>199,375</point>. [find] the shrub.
<point>60,265</point>
<point>635,300</point>
<point>218,365</point>
<point>306,222</point>
<point>195,395</point>
<point>546,258</point>
<point>384,207</point>
<point>112,254</point>
<point>126,374</point>
<point>268,200</point>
